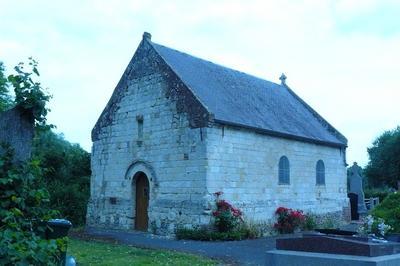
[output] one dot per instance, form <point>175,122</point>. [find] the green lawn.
<point>103,253</point>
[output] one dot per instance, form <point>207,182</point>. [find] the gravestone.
<point>339,244</point>
<point>333,248</point>
<point>353,197</point>
<point>17,130</point>
<point>356,187</point>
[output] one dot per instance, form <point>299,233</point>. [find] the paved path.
<point>245,252</point>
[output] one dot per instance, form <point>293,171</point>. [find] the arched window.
<point>320,173</point>
<point>284,171</point>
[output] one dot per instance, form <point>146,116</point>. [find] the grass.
<point>103,253</point>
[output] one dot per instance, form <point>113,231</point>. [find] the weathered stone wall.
<point>244,165</point>
<point>17,129</point>
<point>170,153</point>
<point>186,158</point>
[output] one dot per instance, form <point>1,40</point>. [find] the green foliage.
<point>66,174</point>
<point>389,210</point>
<point>5,98</point>
<point>328,223</point>
<point>66,166</point>
<point>380,192</point>
<point>225,221</point>
<point>310,222</point>
<point>226,217</point>
<point>24,197</point>
<point>111,254</point>
<point>255,229</point>
<point>29,93</point>
<point>375,226</point>
<point>245,230</point>
<point>23,208</point>
<point>204,234</point>
<point>384,160</point>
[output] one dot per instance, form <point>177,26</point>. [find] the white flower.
<point>369,220</point>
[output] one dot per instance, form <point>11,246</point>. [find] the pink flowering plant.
<point>288,220</point>
<point>226,216</point>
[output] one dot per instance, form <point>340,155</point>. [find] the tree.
<point>23,200</point>
<point>66,166</point>
<point>384,160</point>
<point>23,205</point>
<point>66,174</point>
<point>29,93</point>
<point>5,98</point>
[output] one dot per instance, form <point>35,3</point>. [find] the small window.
<point>140,129</point>
<point>113,200</point>
<point>139,119</point>
<point>320,173</point>
<point>284,171</point>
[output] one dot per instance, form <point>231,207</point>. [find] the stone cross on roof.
<point>283,79</point>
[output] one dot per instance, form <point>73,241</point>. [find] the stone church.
<point>178,128</point>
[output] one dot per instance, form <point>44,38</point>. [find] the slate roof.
<point>236,98</point>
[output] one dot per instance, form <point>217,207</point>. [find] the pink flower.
<point>223,205</point>
<point>281,210</point>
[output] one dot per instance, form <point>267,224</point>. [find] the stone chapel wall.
<point>171,154</point>
<point>244,165</point>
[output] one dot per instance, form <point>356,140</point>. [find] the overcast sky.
<point>341,57</point>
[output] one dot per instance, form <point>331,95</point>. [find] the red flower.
<point>288,219</point>
<point>281,210</point>
<point>223,205</point>
<point>226,215</point>
<point>236,212</point>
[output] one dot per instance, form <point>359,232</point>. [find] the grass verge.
<point>105,253</point>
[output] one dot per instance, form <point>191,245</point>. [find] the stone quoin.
<point>178,128</point>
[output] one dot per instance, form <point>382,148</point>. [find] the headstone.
<point>356,186</point>
<point>353,197</point>
<point>17,130</point>
<point>333,250</point>
<point>338,244</point>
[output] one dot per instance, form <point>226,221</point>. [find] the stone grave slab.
<point>341,248</point>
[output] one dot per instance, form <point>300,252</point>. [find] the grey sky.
<point>341,57</point>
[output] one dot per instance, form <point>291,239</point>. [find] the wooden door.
<point>142,202</point>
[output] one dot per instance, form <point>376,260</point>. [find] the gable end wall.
<point>172,151</point>
<point>145,62</point>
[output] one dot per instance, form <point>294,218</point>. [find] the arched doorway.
<point>142,201</point>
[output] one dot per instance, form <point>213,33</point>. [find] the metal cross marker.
<point>283,79</point>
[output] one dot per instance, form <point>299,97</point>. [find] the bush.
<point>374,226</point>
<point>310,222</point>
<point>380,193</point>
<point>66,174</point>
<point>23,208</point>
<point>204,234</point>
<point>288,220</point>
<point>228,225</point>
<point>227,217</point>
<point>389,210</point>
